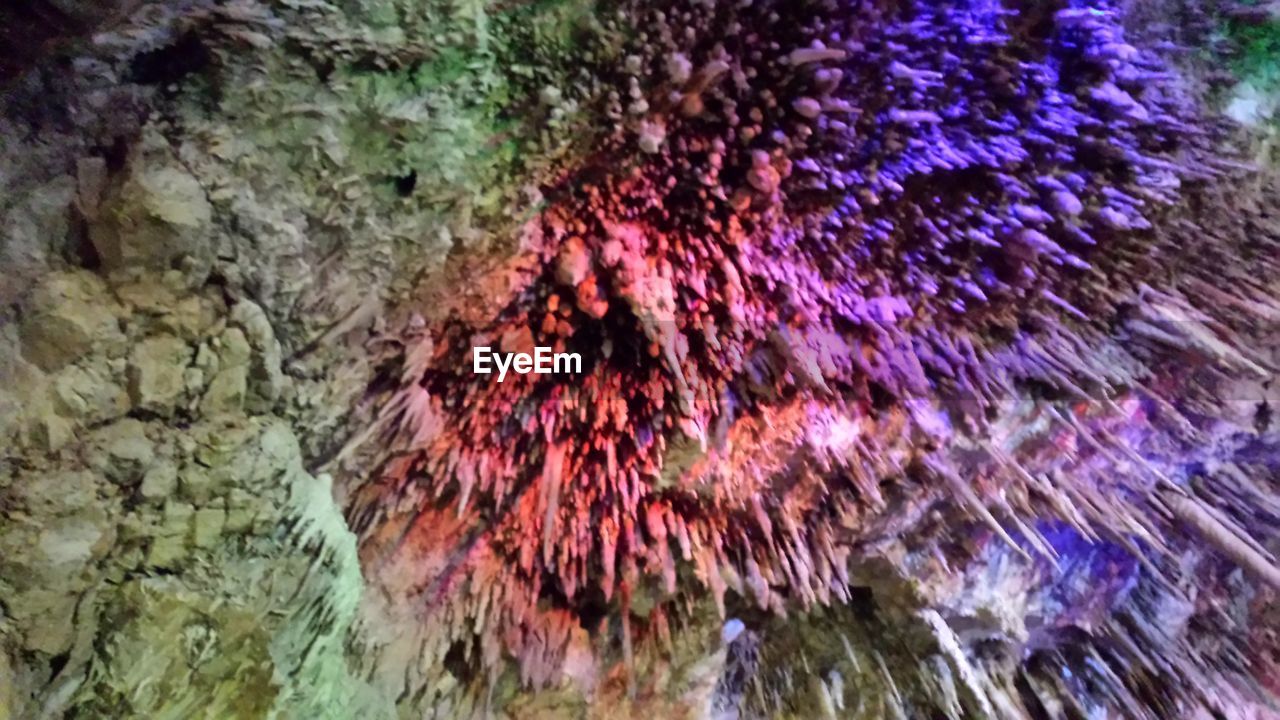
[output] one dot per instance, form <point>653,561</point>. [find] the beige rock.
<point>67,317</point>
<point>149,293</point>
<point>49,562</point>
<point>88,393</point>
<point>9,707</point>
<point>233,348</point>
<point>55,493</point>
<point>51,626</point>
<point>167,552</point>
<point>176,653</point>
<point>172,540</point>
<point>209,523</point>
<point>227,390</point>
<point>219,442</point>
<point>74,542</point>
<point>32,218</point>
<point>156,369</point>
<point>190,317</point>
<point>176,519</point>
<point>160,482</point>
<point>175,307</point>
<point>266,378</point>
<point>156,217</point>
<point>241,511</point>
<point>198,484</point>
<point>193,380</point>
<point>48,431</point>
<point>121,450</point>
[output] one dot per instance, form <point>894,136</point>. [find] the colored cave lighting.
<point>838,271</point>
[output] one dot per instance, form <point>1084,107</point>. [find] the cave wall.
<point>170,548</point>
<point>219,221</point>
<point>212,216</point>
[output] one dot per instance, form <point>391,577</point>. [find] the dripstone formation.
<point>929,355</point>
<point>869,295</point>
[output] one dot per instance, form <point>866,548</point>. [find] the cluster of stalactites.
<point>835,239</point>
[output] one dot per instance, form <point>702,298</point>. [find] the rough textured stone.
<point>121,450</point>
<point>176,519</point>
<point>160,481</point>
<point>240,511</point>
<point>157,217</point>
<point>29,237</point>
<point>226,392</point>
<point>293,159</point>
<point>57,492</point>
<point>74,541</point>
<point>167,551</point>
<point>8,690</point>
<point>69,315</point>
<point>191,316</point>
<point>173,536</point>
<point>267,379</point>
<point>196,652</point>
<point>208,526</point>
<point>51,560</point>
<point>51,628</point>
<point>156,372</point>
<point>89,393</point>
<point>198,484</point>
<point>94,174</point>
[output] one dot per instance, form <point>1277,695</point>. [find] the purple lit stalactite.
<point>849,263</point>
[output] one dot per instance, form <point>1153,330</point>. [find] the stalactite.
<point>1242,551</point>
<point>845,268</point>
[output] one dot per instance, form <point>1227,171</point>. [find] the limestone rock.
<point>197,484</point>
<point>159,482</point>
<point>56,493</point>
<point>51,627</point>
<point>176,519</point>
<point>121,450</point>
<point>190,316</point>
<point>158,216</point>
<point>193,380</point>
<point>51,559</point>
<point>156,366</point>
<point>48,432</point>
<point>167,551</point>
<point>30,232</point>
<point>172,541</point>
<point>166,297</point>
<point>227,390</point>
<point>76,540</point>
<point>8,689</point>
<point>240,511</point>
<point>208,526</point>
<point>177,653</point>
<point>218,443</point>
<point>69,315</point>
<point>149,293</point>
<point>89,393</point>
<point>266,378</point>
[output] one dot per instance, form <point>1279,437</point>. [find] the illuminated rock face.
<point>866,291</point>
<point>929,356</point>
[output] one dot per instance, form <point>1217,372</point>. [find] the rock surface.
<point>237,237</point>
